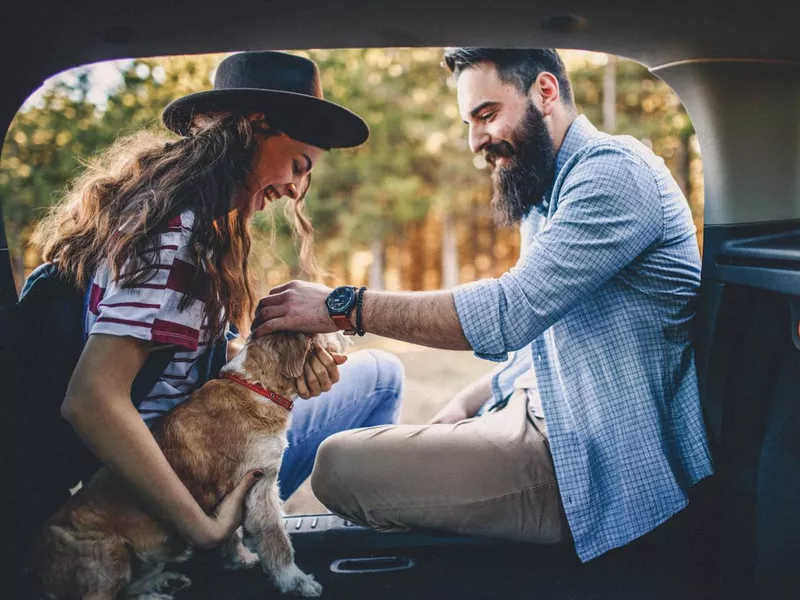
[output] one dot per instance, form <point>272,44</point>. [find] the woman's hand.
<point>228,516</point>
<point>320,372</point>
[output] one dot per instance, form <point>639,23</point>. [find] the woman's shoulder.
<point>176,235</point>
<point>183,222</point>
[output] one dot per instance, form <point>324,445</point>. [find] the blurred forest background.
<point>408,210</point>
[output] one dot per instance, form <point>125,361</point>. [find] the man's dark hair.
<point>519,67</point>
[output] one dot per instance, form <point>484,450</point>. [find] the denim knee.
<point>391,372</point>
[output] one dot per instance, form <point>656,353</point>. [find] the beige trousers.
<point>489,476</point>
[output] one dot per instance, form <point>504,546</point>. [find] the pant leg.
<point>368,393</point>
<point>489,476</point>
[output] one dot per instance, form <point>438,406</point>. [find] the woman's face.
<point>281,168</point>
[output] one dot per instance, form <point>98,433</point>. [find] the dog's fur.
<point>92,547</point>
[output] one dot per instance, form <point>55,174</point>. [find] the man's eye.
<point>295,167</point>
<point>486,116</point>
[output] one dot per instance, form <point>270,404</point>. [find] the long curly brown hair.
<point>117,208</point>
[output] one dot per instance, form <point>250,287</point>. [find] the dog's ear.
<point>292,352</point>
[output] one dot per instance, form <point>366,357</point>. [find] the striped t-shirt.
<point>150,311</point>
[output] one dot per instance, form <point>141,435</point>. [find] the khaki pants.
<point>489,476</point>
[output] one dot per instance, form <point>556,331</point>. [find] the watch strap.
<point>359,313</point>
<point>343,322</point>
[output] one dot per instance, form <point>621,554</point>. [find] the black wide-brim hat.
<point>285,87</point>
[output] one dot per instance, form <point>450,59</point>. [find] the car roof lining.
<point>55,35</point>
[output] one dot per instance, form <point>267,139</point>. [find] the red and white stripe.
<point>150,311</point>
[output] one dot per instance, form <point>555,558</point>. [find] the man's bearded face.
<point>521,181</point>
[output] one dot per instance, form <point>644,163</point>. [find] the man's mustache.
<point>498,150</point>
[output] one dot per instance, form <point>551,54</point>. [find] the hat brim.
<point>308,119</point>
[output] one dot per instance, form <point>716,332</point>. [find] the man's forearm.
<point>425,318</point>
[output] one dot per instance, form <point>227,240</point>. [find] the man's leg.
<point>489,476</point>
<point>368,393</point>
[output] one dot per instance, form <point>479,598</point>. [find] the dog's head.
<point>275,360</point>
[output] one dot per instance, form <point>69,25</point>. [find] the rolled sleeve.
<point>160,309</point>
<point>479,308</point>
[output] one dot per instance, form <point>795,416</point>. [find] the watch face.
<point>340,300</point>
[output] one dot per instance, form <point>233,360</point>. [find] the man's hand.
<point>453,412</point>
<point>466,403</point>
<point>294,306</point>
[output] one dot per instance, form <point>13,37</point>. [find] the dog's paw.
<point>244,558</point>
<point>162,586</point>
<point>172,583</point>
<point>293,581</point>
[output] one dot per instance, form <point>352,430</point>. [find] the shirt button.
<point>539,357</point>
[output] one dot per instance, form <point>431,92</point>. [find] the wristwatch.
<point>340,303</point>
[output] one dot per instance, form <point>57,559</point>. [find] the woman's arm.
<point>98,405</point>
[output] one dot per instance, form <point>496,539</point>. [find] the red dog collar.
<point>276,398</point>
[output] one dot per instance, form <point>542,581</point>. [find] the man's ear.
<point>545,92</point>
<point>292,354</point>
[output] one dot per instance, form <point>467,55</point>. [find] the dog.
<point>105,543</point>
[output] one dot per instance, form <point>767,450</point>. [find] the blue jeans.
<point>368,393</point>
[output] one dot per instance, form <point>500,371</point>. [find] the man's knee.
<point>330,470</point>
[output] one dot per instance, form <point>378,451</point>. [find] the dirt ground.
<point>432,378</point>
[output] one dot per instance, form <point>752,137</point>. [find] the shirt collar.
<point>579,133</point>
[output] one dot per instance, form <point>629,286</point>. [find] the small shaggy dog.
<point>94,545</point>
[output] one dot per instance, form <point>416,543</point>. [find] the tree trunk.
<point>610,95</point>
<point>683,162</point>
<point>19,268</point>
<point>376,281</point>
<point>449,253</point>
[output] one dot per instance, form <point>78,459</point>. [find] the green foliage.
<point>646,107</point>
<point>417,158</point>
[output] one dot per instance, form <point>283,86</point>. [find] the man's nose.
<point>478,139</point>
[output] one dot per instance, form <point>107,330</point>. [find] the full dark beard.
<point>522,182</point>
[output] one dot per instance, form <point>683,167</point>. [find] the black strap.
<point>151,371</point>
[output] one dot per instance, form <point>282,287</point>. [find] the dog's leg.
<point>235,555</point>
<point>105,567</point>
<point>264,523</point>
<point>100,595</point>
<point>156,584</point>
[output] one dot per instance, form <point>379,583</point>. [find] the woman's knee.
<point>390,371</point>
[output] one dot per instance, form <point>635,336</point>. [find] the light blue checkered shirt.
<point>601,303</point>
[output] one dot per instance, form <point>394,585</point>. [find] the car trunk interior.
<point>739,536</point>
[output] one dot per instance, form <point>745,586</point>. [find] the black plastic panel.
<point>764,256</point>
<point>8,290</point>
<point>747,343</point>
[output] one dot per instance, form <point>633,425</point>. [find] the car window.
<point>408,210</point>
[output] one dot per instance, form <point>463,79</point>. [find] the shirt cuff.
<point>478,310</point>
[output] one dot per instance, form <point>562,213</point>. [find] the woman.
<point>159,237</point>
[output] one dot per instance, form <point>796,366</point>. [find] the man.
<point>594,431</point>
